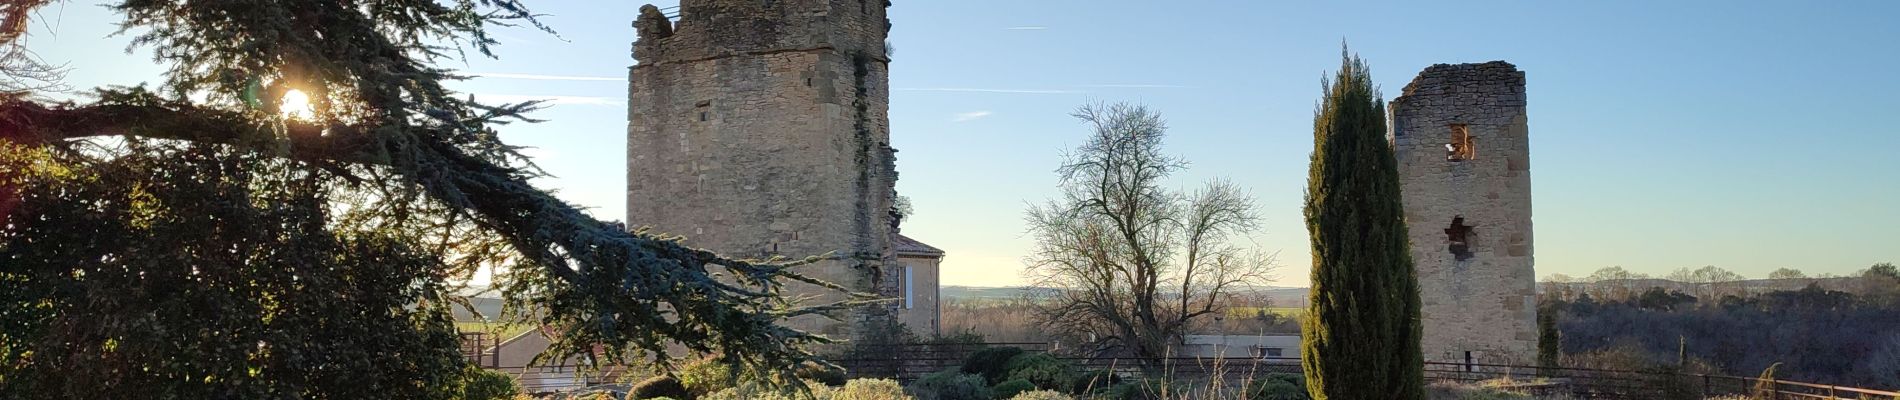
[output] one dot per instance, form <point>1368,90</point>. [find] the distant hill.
<point>1847,284</point>
<point>984,292</point>
<point>1278,296</point>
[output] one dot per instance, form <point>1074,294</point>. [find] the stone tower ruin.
<point>760,128</point>
<point>1463,146</point>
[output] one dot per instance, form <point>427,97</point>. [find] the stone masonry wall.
<point>924,317</point>
<point>760,128</point>
<point>1485,303</point>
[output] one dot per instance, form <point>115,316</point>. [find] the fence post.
<point>1706,391</point>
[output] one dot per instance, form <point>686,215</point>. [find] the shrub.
<point>1094,381</point>
<point>1278,386</point>
<point>1042,395</point>
<point>1043,370</point>
<point>951,385</point>
<point>481,384</point>
<point>658,387</point>
<point>821,374</point>
<point>1010,388</point>
<point>705,376</point>
<point>758,391</point>
<point>992,363</point>
<point>1144,390</point>
<point>870,389</point>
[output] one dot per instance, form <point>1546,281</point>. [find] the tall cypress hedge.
<point>1361,334</point>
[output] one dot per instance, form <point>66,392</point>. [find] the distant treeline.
<point>1815,333</point>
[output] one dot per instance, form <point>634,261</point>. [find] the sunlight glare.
<point>297,105</point>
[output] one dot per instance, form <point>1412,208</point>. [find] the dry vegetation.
<point>998,321</point>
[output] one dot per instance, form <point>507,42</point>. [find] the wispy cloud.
<point>987,90</point>
<point>539,77</point>
<point>970,116</point>
<point>1027,28</point>
<point>551,99</point>
<point>1137,86</point>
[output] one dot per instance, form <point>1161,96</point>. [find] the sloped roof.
<point>905,246</point>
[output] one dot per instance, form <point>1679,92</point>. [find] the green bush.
<point>992,363</point>
<point>757,391</point>
<point>1041,369</point>
<point>658,387</point>
<point>482,384</point>
<point>705,376</point>
<point>1093,381</point>
<point>951,385</point>
<point>821,374</point>
<point>1278,386</point>
<point>1042,395</point>
<point>1010,388</point>
<point>1144,390</point>
<point>870,389</point>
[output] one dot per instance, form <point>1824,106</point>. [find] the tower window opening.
<point>702,115</point>
<point>1460,148</point>
<point>1459,235</point>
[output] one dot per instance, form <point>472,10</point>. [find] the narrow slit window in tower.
<point>1459,236</point>
<point>1460,148</point>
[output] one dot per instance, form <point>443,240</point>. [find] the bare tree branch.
<point>1133,264</point>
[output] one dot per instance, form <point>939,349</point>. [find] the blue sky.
<point>1746,135</point>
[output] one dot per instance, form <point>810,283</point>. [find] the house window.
<point>1460,148</point>
<point>909,275</point>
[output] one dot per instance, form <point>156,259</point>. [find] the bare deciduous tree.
<point>1131,264</point>
<point>21,71</point>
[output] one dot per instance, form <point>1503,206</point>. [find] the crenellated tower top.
<point>716,28</point>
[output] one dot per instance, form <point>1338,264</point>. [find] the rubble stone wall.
<point>1484,304</point>
<point>760,128</point>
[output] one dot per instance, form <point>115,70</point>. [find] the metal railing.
<point>481,348</point>
<point>908,363</point>
<point>554,378</point>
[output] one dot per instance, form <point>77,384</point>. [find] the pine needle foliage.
<point>195,240</point>
<point>1361,334</point>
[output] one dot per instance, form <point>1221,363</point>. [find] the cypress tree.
<point>1549,341</point>
<point>1361,334</point>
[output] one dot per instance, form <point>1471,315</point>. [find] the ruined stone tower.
<point>759,128</point>
<point>1462,140</point>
